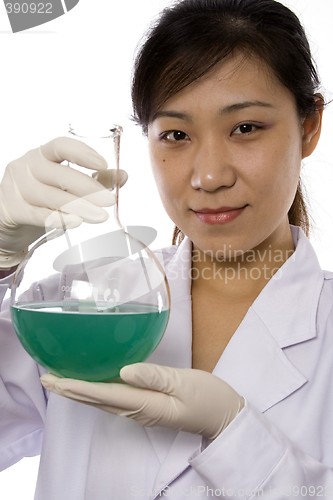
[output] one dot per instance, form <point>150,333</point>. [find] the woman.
<point>236,401</point>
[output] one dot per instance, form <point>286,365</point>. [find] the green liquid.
<point>92,345</point>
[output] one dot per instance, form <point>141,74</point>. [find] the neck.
<point>241,276</point>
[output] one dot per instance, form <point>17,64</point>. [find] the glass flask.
<point>88,300</point>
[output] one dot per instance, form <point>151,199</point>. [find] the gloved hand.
<point>35,188</point>
<point>182,399</point>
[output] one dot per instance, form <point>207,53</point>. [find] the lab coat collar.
<point>288,304</point>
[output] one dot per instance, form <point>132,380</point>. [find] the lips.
<point>221,215</point>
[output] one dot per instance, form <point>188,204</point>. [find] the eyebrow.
<point>243,105</point>
<point>231,108</point>
<point>172,114</point>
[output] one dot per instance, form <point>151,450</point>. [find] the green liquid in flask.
<point>92,345</point>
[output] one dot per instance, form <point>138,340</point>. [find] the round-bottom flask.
<point>84,305</point>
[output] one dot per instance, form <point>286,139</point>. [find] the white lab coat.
<point>281,444</point>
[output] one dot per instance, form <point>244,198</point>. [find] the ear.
<point>312,127</point>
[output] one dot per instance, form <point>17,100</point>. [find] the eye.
<point>246,129</point>
<point>174,136</point>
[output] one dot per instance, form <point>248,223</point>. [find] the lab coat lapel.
<point>255,361</point>
<point>256,367</point>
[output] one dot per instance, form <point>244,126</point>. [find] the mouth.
<point>221,215</point>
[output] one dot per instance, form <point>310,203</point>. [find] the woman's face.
<point>226,154</point>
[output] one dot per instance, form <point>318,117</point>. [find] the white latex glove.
<point>182,399</point>
<point>35,188</point>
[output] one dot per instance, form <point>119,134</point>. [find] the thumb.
<point>150,376</point>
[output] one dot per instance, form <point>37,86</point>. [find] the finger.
<point>73,181</point>
<point>74,389</point>
<point>66,148</point>
<point>48,380</point>
<point>62,387</point>
<point>150,376</point>
<point>34,217</point>
<point>119,396</point>
<point>54,199</point>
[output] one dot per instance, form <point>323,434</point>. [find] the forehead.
<point>236,78</point>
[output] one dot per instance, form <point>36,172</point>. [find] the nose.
<point>212,167</point>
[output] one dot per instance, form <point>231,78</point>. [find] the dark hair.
<point>192,36</point>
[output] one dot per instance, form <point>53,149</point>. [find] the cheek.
<point>164,176</point>
<point>166,171</point>
<point>280,178</point>
<point>157,163</point>
<point>281,163</point>
<point>289,168</point>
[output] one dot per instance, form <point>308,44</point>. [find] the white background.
<point>79,66</point>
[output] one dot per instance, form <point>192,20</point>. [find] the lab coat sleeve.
<point>22,398</point>
<point>252,459</point>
